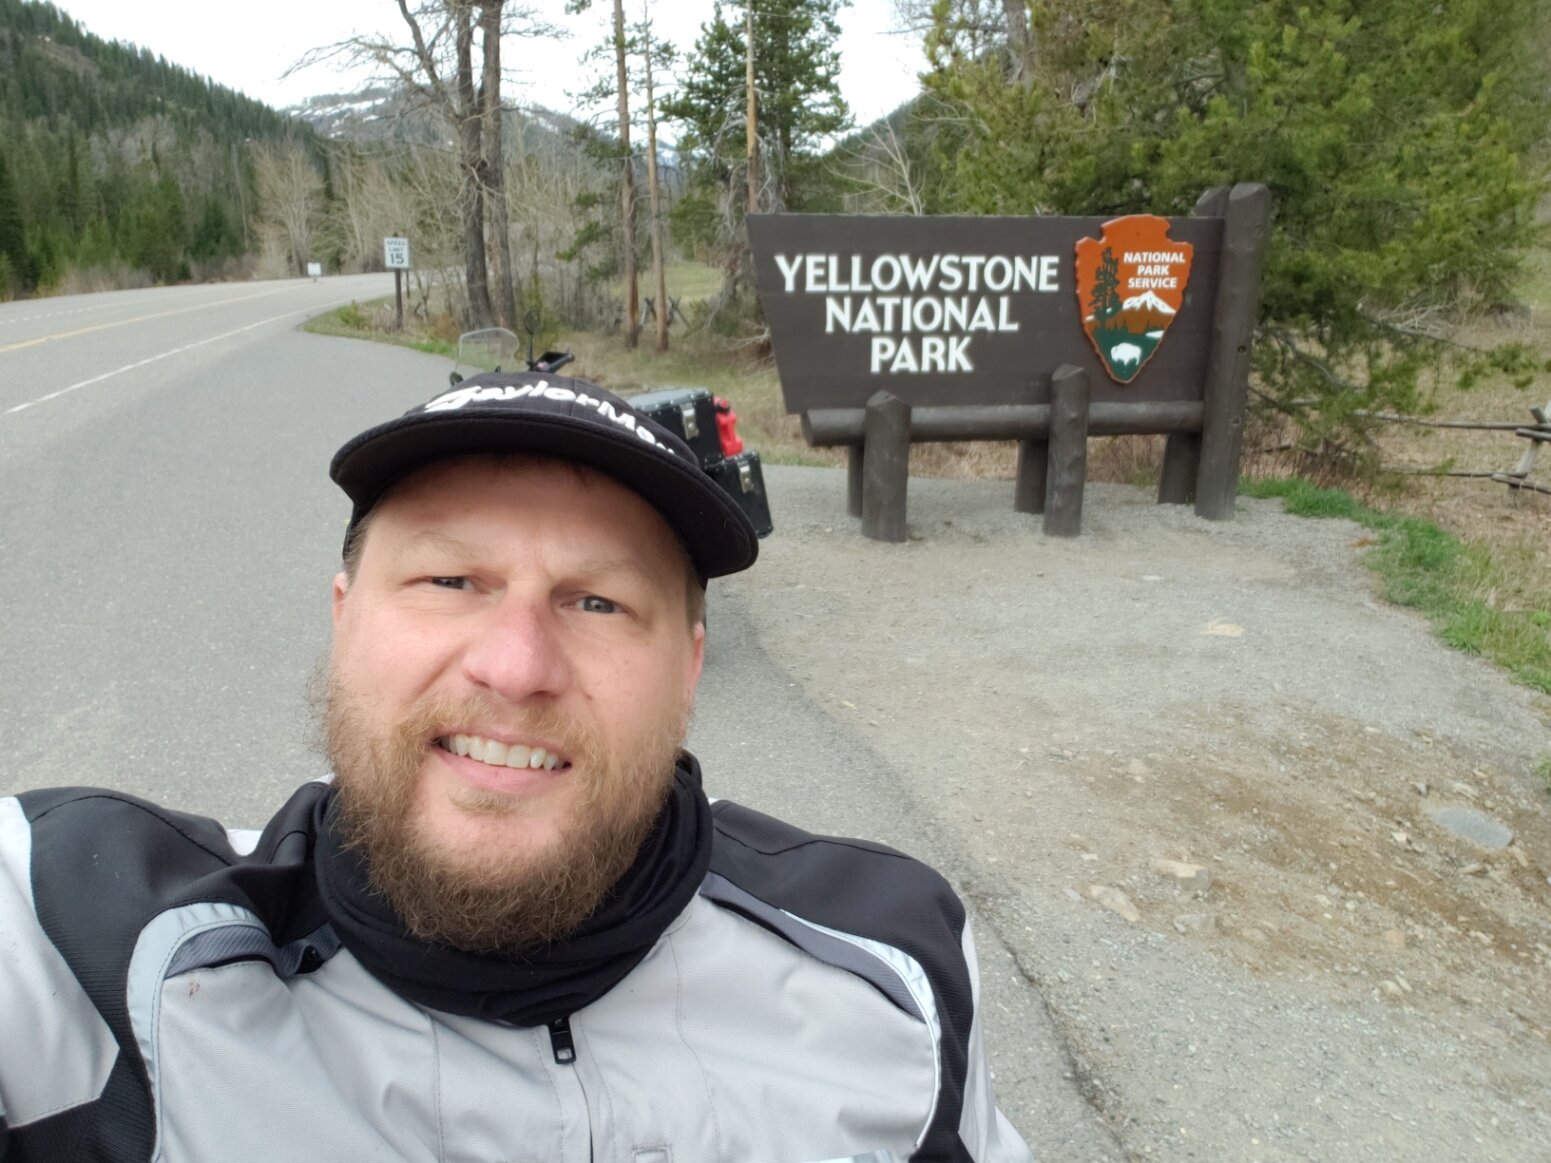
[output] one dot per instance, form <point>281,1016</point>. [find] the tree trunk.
<point>659,273</point>
<point>626,186</point>
<point>471,162</point>
<point>504,293</point>
<point>1020,43</point>
<point>751,115</point>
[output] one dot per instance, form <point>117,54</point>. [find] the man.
<point>511,926</point>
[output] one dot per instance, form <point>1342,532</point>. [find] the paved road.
<point>166,544</point>
<point>169,531</point>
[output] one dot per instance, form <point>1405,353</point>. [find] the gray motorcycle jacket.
<point>173,991</point>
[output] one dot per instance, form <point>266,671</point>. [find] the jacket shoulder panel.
<point>69,1050</point>
<point>855,886</point>
<point>905,911</point>
<point>103,866</point>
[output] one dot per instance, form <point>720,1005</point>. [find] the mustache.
<point>437,719</point>
<point>426,722</point>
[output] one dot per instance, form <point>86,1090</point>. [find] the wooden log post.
<point>885,467</point>
<point>1182,450</point>
<point>1028,491</point>
<point>1245,226</point>
<point>1538,435</point>
<point>820,435</point>
<point>1069,396</point>
<point>854,460</point>
<point>1181,468</point>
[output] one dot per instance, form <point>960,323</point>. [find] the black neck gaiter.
<point>544,984</point>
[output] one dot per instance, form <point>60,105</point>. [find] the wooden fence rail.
<point>1515,478</point>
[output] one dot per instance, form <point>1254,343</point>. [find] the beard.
<point>504,899</point>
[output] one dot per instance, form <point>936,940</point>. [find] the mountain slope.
<point>116,161</point>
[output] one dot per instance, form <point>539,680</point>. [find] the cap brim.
<point>717,533</point>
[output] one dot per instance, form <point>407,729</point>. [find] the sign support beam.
<point>1069,396</point>
<point>886,467</point>
<point>1028,491</point>
<point>854,461</point>
<point>1182,450</point>
<point>1246,223</point>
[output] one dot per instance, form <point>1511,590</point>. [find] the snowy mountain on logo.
<point>1147,301</point>
<point>1143,313</point>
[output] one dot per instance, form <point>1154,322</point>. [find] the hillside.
<point>115,165</point>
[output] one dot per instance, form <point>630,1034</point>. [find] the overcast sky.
<point>878,67</point>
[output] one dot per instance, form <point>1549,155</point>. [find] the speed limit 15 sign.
<point>395,253</point>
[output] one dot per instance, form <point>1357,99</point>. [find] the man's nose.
<point>517,651</point>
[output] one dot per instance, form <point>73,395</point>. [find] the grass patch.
<point>372,321</point>
<point>1481,600</point>
<point>1305,499</point>
<point>688,282</point>
<point>1543,771</point>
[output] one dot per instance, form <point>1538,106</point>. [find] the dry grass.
<point>1130,460</point>
<point>1514,524</point>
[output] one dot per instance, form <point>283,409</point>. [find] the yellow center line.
<point>139,319</point>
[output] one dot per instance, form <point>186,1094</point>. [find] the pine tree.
<point>13,236</point>
<point>796,76</point>
<point>1106,288</point>
<point>1402,144</point>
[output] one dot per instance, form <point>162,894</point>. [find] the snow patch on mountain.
<point>1147,301</point>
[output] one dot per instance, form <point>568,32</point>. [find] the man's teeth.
<point>498,754</point>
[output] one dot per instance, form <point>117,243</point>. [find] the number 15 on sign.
<point>395,254</point>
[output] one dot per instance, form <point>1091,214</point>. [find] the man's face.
<point>512,675</point>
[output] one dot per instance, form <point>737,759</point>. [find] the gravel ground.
<point>1187,774</point>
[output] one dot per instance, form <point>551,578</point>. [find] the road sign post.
<point>395,256</point>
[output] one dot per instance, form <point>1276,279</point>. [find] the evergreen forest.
<point>116,167</point>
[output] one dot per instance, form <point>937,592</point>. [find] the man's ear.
<point>697,663</point>
<point>341,590</point>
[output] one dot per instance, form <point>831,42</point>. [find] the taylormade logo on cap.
<point>459,397</point>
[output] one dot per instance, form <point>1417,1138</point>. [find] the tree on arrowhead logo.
<point>1130,286</point>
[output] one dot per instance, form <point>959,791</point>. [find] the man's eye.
<point>451,583</point>
<point>593,604</point>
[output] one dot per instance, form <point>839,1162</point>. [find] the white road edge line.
<point>129,367</point>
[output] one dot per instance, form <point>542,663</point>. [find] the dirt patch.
<point>1353,982</point>
<point>1323,858</point>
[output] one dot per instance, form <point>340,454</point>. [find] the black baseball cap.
<point>561,417</point>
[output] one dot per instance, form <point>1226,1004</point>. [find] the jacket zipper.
<point>564,1047</point>
<point>560,1041</point>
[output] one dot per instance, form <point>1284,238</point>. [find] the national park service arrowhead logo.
<point>1130,286</point>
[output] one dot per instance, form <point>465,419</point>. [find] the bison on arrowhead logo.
<point>1130,286</point>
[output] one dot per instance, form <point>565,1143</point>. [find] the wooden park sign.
<point>892,330</point>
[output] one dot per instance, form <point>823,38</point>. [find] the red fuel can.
<point>727,427</point>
